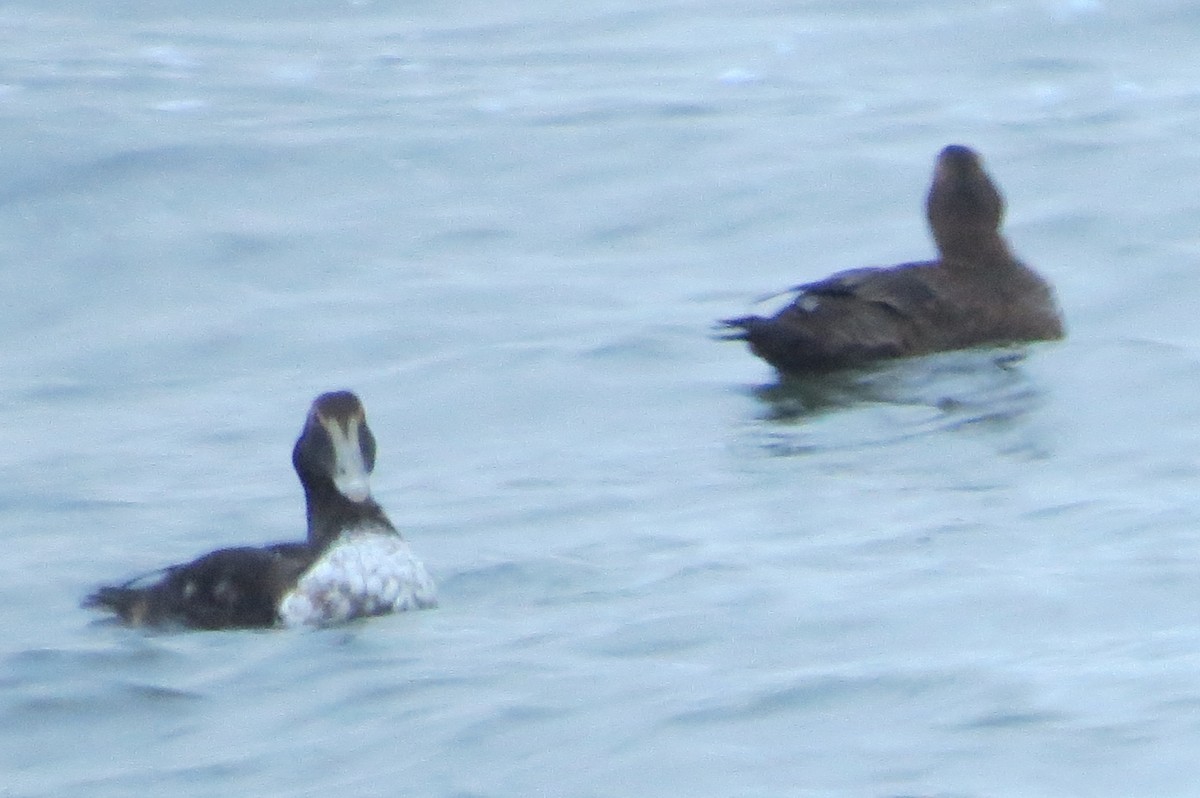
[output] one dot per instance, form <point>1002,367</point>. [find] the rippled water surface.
<point>509,227</point>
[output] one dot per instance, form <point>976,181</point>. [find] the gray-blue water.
<point>508,227</point>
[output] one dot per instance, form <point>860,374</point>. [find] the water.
<point>509,228</point>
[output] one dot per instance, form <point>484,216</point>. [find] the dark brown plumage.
<point>976,293</point>
<point>232,588</point>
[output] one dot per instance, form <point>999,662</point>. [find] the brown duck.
<point>975,293</point>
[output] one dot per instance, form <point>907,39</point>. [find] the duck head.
<point>334,457</point>
<point>963,206</point>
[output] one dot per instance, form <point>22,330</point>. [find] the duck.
<point>977,293</point>
<point>353,562</point>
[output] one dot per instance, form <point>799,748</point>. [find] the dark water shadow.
<point>898,400</point>
<point>947,381</point>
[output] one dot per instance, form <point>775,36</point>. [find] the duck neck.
<point>974,248</point>
<point>330,513</point>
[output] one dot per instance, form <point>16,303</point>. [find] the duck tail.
<point>739,329</point>
<point>129,601</point>
<point>731,329</point>
<point>119,599</point>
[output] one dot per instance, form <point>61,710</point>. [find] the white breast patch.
<point>363,573</point>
